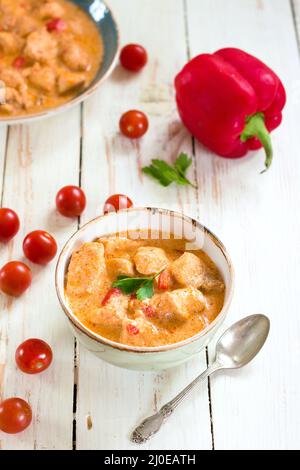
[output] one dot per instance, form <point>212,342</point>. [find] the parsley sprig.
<point>166,174</point>
<point>143,287</point>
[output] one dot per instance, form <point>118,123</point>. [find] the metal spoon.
<point>236,347</point>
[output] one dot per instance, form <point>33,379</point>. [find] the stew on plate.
<point>50,50</point>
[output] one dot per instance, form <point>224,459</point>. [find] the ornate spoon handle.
<point>152,425</point>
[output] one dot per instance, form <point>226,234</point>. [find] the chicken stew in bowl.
<point>50,50</point>
<point>143,292</point>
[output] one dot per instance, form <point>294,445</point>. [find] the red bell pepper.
<point>230,101</point>
<point>113,292</point>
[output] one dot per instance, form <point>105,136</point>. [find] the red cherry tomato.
<point>19,62</point>
<point>134,124</point>
<point>133,57</point>
<point>15,415</point>
<point>116,202</point>
<point>70,201</point>
<point>57,24</point>
<point>15,278</point>
<point>9,224</point>
<point>39,247</point>
<point>33,356</point>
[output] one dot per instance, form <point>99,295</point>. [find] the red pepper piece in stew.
<point>111,293</point>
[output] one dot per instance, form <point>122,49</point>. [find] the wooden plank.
<point>3,140</point>
<point>258,218</point>
<point>41,158</point>
<point>114,400</point>
<point>3,135</point>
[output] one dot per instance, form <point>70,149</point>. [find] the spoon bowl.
<point>235,348</point>
<point>242,341</point>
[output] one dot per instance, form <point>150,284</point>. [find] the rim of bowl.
<point>79,98</point>
<point>154,349</point>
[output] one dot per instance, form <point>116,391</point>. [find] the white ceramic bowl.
<point>142,358</point>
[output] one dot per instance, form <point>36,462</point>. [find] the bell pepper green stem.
<point>256,127</point>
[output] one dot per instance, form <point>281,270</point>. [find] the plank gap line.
<point>80,150</point>
<point>75,379</point>
<point>210,404</point>
<point>188,54</point>
<point>186,29</point>
<point>296,30</point>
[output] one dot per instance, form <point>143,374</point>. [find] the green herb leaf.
<point>182,163</point>
<point>142,286</point>
<point>146,291</point>
<point>165,177</point>
<point>129,285</point>
<point>166,174</point>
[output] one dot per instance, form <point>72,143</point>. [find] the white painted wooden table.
<point>256,216</point>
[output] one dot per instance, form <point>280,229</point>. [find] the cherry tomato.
<point>9,224</point>
<point>15,415</point>
<point>57,24</point>
<point>39,247</point>
<point>134,124</point>
<point>15,278</point>
<point>33,356</point>
<point>113,292</point>
<point>116,202</point>
<point>19,62</point>
<point>133,57</point>
<point>70,201</point>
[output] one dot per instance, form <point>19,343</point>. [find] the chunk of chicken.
<point>137,332</point>
<point>51,9</point>
<point>43,77</point>
<point>211,284</point>
<point>26,25</point>
<point>13,78</point>
<point>16,88</point>
<point>75,57</point>
<point>16,100</point>
<point>41,46</point>
<point>118,247</point>
<point>178,305</point>
<point>7,7</point>
<point>111,317</point>
<point>70,82</point>
<point>13,97</point>
<point>189,270</point>
<point>8,22</point>
<point>87,281</point>
<point>150,260</point>
<point>10,43</point>
<point>120,266</point>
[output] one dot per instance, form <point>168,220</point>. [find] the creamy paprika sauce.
<point>188,290</point>
<point>50,50</point>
